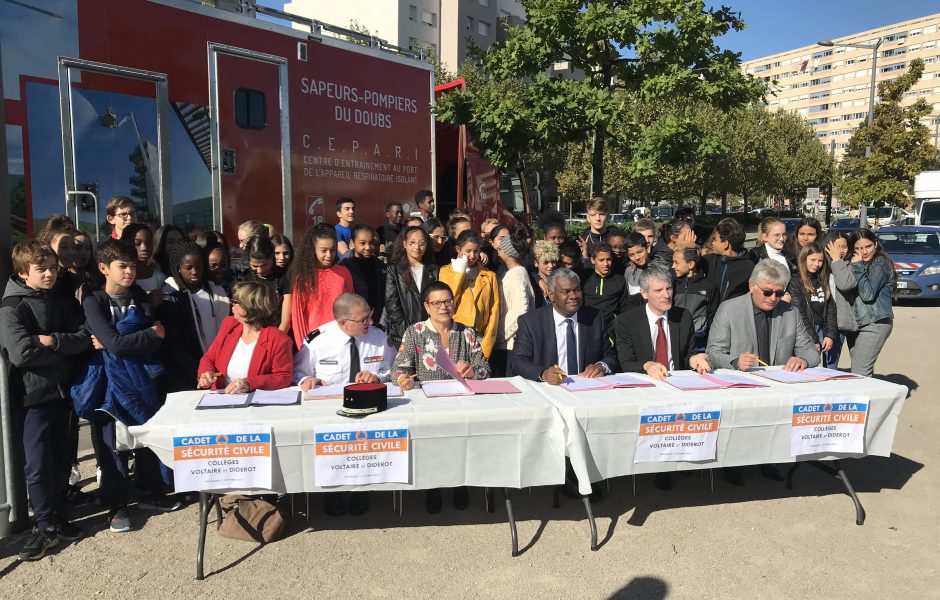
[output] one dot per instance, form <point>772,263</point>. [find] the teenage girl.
<point>259,250</point>
<point>811,295</point>
<point>149,275</point>
<point>475,288</point>
<point>771,243</point>
<point>808,230</point>
<point>875,277</point>
<point>842,284</point>
<point>283,251</point>
<point>317,280</point>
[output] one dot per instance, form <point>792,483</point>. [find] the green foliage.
<point>515,109</point>
<point>796,158</point>
<point>900,147</point>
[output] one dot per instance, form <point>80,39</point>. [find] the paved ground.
<point>756,541</point>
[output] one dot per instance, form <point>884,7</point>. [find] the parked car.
<point>845,225</point>
<point>916,255</point>
<point>791,224</point>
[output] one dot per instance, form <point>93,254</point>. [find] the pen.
<point>405,378</point>
<point>761,362</point>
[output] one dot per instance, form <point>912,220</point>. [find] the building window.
<point>413,13</point>
<point>250,109</point>
<point>483,28</point>
<point>429,18</point>
<point>484,2</point>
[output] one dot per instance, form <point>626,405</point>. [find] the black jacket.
<point>368,275</point>
<point>759,253</point>
<point>606,294</point>
<point>403,302</point>
<point>698,296</point>
<point>635,342</point>
<point>801,299</point>
<point>535,349</point>
<point>729,274</point>
<point>41,374</point>
<point>100,322</point>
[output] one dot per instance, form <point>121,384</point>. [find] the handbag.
<point>250,518</point>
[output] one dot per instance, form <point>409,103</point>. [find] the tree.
<point>797,159</point>
<point>650,50</point>
<point>899,146</point>
<point>750,167</point>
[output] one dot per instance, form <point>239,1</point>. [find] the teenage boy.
<point>42,336</point>
<point>646,228</point>
<point>638,253</point>
<point>389,230</point>
<point>603,289</point>
<point>117,261</point>
<point>569,257</point>
<point>727,266</point>
<point>597,226</point>
<point>346,213</point>
<point>424,200</point>
<point>694,293</point>
<point>617,240</point>
<point>119,214</point>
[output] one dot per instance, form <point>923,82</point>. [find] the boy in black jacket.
<point>693,292</point>
<point>728,266</point>
<point>603,289</point>
<point>117,261</point>
<point>42,335</point>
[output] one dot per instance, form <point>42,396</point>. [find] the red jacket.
<point>272,362</point>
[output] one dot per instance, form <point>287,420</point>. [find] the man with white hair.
<point>760,328</point>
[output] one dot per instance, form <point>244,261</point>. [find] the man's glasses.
<point>440,303</point>
<point>363,322</point>
<point>124,216</point>
<point>769,293</point>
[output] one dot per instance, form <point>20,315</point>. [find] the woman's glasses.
<point>440,303</point>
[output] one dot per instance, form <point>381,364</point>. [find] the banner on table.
<point>678,433</point>
<point>362,453</point>
<point>823,424</point>
<point>222,458</point>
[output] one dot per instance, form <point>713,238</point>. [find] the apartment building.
<point>448,27</point>
<point>830,85</point>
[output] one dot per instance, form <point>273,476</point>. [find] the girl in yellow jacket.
<point>476,290</point>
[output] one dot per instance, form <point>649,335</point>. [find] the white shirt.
<point>777,255</point>
<point>654,332</point>
<point>241,360</point>
<point>417,274</point>
<point>561,339</point>
<point>325,355</point>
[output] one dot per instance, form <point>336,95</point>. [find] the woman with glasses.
<point>409,272</point>
<point>440,251</point>
<point>417,359</point>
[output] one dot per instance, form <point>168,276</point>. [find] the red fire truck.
<point>210,117</point>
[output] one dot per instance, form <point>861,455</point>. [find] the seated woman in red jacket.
<point>250,352</point>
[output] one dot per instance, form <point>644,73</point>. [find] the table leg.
<point>840,474</point>
<point>591,523</point>
<point>556,500</point>
<point>512,524</point>
<point>218,510</point>
<point>490,499</point>
<point>203,523</point>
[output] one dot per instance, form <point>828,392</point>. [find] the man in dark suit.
<point>564,338</point>
<point>657,337</point>
<point>561,339</point>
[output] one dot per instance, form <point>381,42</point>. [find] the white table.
<point>492,440</point>
<point>755,423</point>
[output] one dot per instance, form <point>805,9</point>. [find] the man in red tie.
<point>657,337</point>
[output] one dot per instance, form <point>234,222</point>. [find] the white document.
<point>222,400</point>
<point>828,424</point>
<point>678,433</point>
<point>576,383</point>
<point>782,376</point>
<point>222,458</point>
<point>393,391</point>
<point>627,380</point>
<point>361,453</point>
<point>274,397</point>
<point>446,387</point>
<point>324,392</point>
<point>824,374</point>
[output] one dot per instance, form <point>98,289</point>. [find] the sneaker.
<point>119,521</point>
<point>74,475</point>
<point>38,543</point>
<point>69,531</point>
<point>159,504</point>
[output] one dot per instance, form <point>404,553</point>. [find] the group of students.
<point>105,334</point>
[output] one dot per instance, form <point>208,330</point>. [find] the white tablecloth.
<point>512,440</point>
<point>601,426</point>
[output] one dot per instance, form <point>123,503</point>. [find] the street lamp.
<point>863,210</point>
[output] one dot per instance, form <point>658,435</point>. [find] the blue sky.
<point>774,26</point>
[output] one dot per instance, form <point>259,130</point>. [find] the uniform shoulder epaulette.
<point>310,336</point>
<point>378,326</point>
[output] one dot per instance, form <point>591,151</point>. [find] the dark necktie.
<point>763,341</point>
<point>662,351</point>
<point>572,347</point>
<point>353,359</point>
